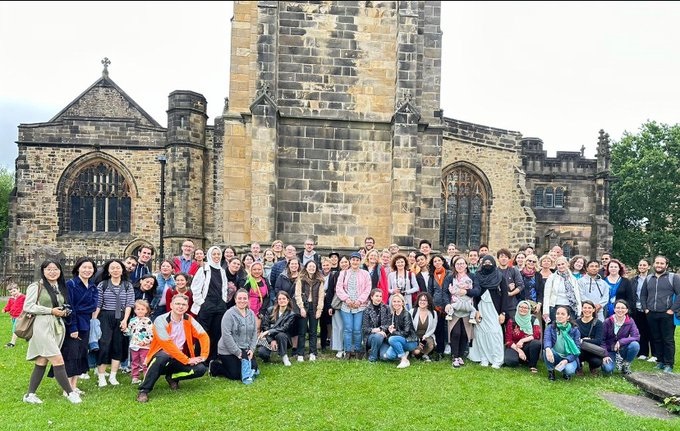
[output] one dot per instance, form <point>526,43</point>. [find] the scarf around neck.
<point>439,275</point>
<point>564,338</point>
<point>210,260</point>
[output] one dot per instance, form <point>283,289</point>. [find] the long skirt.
<point>487,346</point>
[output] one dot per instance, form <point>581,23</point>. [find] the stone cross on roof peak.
<point>106,62</point>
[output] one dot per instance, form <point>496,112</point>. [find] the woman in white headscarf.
<point>211,292</point>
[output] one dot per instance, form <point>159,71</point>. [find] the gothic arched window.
<point>465,202</point>
<point>99,200</point>
<point>538,197</point>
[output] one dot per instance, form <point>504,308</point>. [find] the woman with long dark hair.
<point>82,297</point>
<point>562,344</point>
<point>46,300</point>
<point>114,305</point>
<point>276,323</point>
<point>438,288</point>
<point>309,296</point>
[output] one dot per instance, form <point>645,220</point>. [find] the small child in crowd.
<point>141,334</point>
<point>14,307</point>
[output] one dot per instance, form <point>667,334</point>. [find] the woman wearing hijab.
<point>523,338</point>
<point>211,292</point>
<point>561,288</point>
<point>562,343</point>
<point>487,347</point>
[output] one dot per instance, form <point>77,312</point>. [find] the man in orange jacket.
<point>172,349</point>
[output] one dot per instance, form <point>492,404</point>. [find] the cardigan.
<point>626,335</point>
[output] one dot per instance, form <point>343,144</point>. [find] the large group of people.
<point>216,313</point>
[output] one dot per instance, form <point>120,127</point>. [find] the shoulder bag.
<point>592,348</point>
<point>24,324</point>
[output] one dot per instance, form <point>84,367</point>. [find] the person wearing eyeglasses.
<point>173,350</point>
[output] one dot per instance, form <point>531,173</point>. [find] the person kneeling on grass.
<point>276,322</point>
<point>522,338</point>
<point>621,336</point>
<point>236,348</point>
<point>562,341</point>
<point>172,349</point>
<point>402,336</point>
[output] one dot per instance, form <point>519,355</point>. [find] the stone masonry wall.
<point>494,152</point>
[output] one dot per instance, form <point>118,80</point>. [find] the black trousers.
<point>229,366</point>
<point>646,347</point>
<point>592,360</point>
<point>211,321</point>
<point>441,333</point>
<point>532,350</point>
<point>282,347</point>
<point>324,323</point>
<point>163,364</point>
<point>662,330</point>
<point>459,340</point>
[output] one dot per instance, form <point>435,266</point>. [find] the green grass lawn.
<point>329,395</point>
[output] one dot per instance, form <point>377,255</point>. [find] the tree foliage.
<point>645,196</point>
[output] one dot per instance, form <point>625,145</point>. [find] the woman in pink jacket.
<point>353,288</point>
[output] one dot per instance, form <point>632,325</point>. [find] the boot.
<point>551,375</point>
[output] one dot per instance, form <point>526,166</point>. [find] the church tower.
<point>185,167</point>
<point>334,125</point>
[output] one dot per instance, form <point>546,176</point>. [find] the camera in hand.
<point>66,308</point>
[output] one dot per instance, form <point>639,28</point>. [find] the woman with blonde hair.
<point>561,288</point>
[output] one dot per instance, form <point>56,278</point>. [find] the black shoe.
<point>436,356</point>
<point>174,384</point>
<point>566,376</point>
<point>142,397</point>
<point>360,356</point>
<point>9,345</point>
<point>551,375</point>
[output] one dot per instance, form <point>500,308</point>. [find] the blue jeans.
<point>352,330</point>
<point>398,346</point>
<point>628,353</point>
<point>569,370</point>
<point>374,342</point>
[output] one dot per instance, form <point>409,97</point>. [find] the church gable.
<point>104,99</point>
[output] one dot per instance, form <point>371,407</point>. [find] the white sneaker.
<point>642,357</point>
<point>312,357</point>
<point>404,364</point>
<point>113,380</point>
<point>651,359</point>
<point>496,366</point>
<point>84,376</point>
<point>74,398</point>
<point>32,399</point>
<point>301,358</point>
<point>484,364</point>
<point>76,390</point>
<point>286,361</point>
<point>340,354</point>
<point>447,349</point>
<point>102,380</point>
<point>136,381</point>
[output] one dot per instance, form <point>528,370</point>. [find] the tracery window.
<point>464,208</point>
<point>99,200</point>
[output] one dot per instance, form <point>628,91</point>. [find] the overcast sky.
<point>558,71</point>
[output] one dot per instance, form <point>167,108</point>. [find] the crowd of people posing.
<point>216,313</point>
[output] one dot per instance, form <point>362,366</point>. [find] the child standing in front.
<point>141,334</point>
<point>14,307</point>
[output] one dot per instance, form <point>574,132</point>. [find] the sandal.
<point>533,370</point>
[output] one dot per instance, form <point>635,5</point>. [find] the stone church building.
<point>332,130</point>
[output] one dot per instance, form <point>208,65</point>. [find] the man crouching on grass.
<point>172,349</point>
